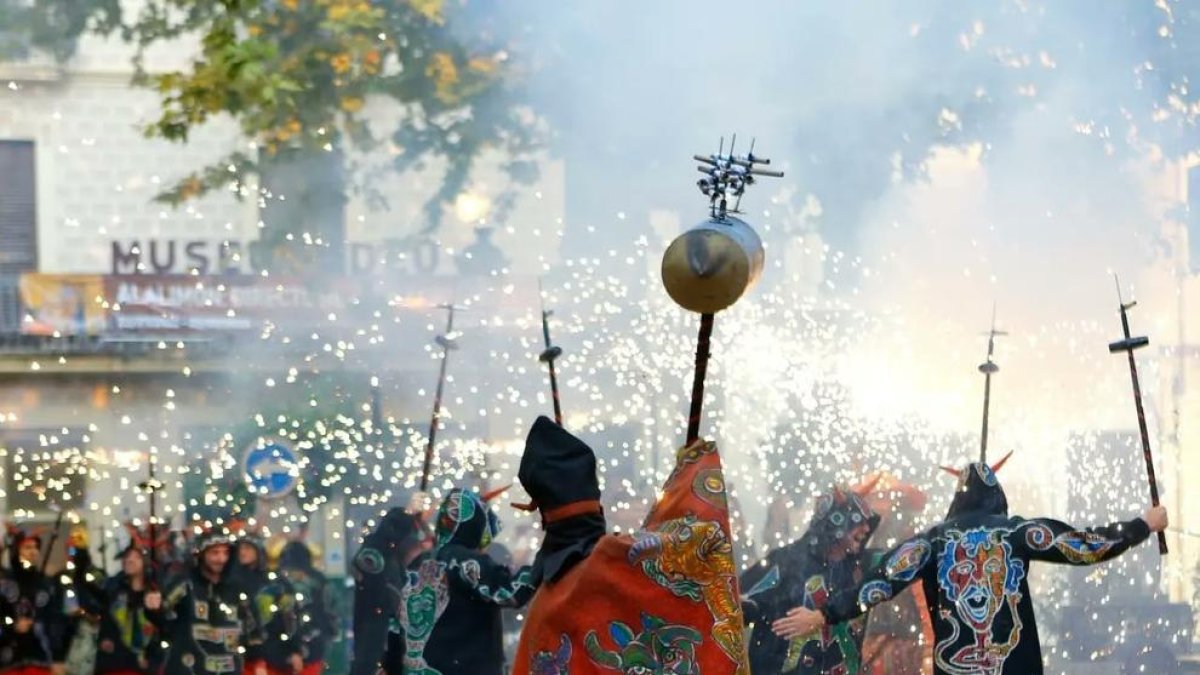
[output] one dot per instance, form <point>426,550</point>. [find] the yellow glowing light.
<point>470,207</point>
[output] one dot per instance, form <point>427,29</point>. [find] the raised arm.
<point>489,581</point>
<point>1054,541</point>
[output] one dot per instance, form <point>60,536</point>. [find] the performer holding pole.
<point>1128,344</point>
<point>152,485</point>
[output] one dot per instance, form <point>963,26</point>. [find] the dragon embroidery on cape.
<point>693,559</point>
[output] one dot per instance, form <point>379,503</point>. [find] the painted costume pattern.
<point>658,648</point>
<point>981,577</point>
<point>695,560</point>
<point>423,601</point>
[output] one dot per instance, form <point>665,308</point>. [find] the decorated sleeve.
<point>491,582</point>
<point>1054,541</point>
<point>897,569</point>
<point>757,585</point>
<point>170,611</point>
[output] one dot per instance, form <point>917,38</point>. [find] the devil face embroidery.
<point>979,575</point>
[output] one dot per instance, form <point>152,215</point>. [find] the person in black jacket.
<point>34,638</point>
<point>450,607</point>
<point>128,642</point>
<point>315,628</point>
<point>277,619</point>
<point>249,574</point>
<point>829,557</point>
<point>380,574</point>
<point>973,568</point>
<point>200,615</point>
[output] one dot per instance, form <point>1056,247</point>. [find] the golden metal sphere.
<point>709,267</point>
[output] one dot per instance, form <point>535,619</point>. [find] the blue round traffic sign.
<point>271,469</point>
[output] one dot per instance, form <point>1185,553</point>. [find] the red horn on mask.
<point>492,494</point>
<point>957,473</point>
<point>868,487</point>
<point>997,465</point>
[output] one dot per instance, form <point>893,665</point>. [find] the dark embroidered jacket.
<point>974,568</point>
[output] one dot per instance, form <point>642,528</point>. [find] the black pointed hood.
<point>978,493</point>
<point>558,470</point>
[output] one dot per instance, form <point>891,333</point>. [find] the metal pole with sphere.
<point>709,267</point>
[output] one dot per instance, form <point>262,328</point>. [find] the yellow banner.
<point>63,304</point>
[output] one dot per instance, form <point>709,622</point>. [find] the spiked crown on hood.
<point>978,490</point>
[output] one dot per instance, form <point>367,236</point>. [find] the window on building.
<point>18,208</point>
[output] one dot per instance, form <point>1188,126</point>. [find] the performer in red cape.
<point>664,599</point>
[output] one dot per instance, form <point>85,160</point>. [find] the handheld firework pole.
<point>709,267</point>
<point>1128,344</point>
<point>549,355</point>
<point>151,486</point>
<point>58,519</point>
<point>103,548</point>
<point>988,368</point>
<point>447,343</point>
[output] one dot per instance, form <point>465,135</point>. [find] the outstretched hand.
<point>419,503</point>
<point>799,621</point>
<point>1156,518</point>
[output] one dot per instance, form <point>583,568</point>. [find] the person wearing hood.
<point>380,574</point>
<point>250,576</point>
<point>974,569</point>
<point>294,608</point>
<point>830,557</point>
<point>451,606</point>
<point>200,616</point>
<point>34,638</point>
<point>663,599</point>
<point>128,642</point>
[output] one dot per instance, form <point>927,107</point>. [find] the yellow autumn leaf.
<point>341,62</point>
<point>352,104</point>
<point>430,9</point>
<point>338,12</point>
<point>290,4</point>
<point>441,69</point>
<point>190,187</point>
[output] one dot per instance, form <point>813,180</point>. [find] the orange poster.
<point>63,304</point>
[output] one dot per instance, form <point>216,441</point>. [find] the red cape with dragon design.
<point>664,598</point>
